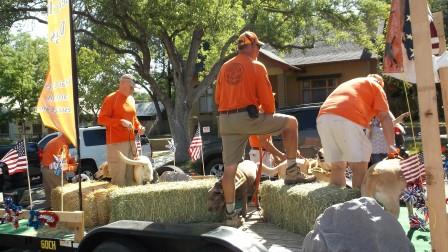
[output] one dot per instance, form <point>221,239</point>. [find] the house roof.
<point>147,108</point>
<point>324,53</point>
<point>273,57</point>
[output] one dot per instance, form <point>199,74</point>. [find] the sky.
<point>32,27</point>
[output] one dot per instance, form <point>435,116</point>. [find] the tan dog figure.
<point>143,171</point>
<point>103,172</point>
<point>385,183</point>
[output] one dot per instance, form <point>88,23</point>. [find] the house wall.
<point>345,71</point>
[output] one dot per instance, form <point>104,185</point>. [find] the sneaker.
<point>294,176</point>
<point>233,219</point>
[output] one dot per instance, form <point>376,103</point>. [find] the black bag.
<point>252,110</point>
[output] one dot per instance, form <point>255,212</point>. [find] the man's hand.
<point>393,152</point>
<point>125,123</point>
<point>141,131</point>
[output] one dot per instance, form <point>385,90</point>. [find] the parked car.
<point>19,180</point>
<point>309,141</point>
<point>92,147</point>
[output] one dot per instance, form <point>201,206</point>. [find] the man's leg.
<point>228,186</point>
<point>290,139</point>
<point>359,171</point>
<point>337,176</point>
<point>117,168</point>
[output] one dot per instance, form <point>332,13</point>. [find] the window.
<point>94,137</point>
<point>206,102</point>
<point>317,90</point>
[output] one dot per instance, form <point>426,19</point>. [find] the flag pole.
<point>429,124</point>
<point>76,101</point>
<point>27,166</point>
<point>202,149</point>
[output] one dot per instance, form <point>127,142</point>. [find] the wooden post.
<point>427,99</point>
<point>443,72</point>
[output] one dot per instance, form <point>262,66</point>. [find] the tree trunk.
<point>178,118</point>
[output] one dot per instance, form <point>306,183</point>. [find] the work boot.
<point>294,176</point>
<point>233,219</point>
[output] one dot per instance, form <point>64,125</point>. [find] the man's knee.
<point>291,123</point>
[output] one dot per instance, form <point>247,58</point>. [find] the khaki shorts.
<point>343,140</point>
<point>236,128</point>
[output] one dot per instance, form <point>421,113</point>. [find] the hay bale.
<point>71,200</point>
<point>166,202</point>
<point>103,204</point>
<point>295,208</point>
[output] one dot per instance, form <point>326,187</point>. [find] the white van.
<point>92,147</point>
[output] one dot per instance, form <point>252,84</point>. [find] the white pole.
<point>27,169</point>
<point>202,149</point>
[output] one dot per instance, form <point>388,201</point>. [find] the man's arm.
<point>105,116</point>
<point>264,89</point>
<point>388,128</point>
<point>268,146</point>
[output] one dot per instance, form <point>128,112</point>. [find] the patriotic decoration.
<point>138,144</point>
<point>58,164</point>
<point>348,173</point>
<point>16,159</point>
<point>171,146</point>
<point>38,219</point>
<point>414,195</point>
<point>413,167</point>
<point>399,53</point>
<point>195,148</point>
<point>12,213</point>
<point>418,223</point>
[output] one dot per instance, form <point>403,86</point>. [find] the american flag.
<point>413,167</point>
<point>196,146</point>
<point>407,29</point>
<point>138,144</point>
<point>399,51</point>
<point>16,159</point>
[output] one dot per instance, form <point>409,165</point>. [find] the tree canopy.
<point>23,67</point>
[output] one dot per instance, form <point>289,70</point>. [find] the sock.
<point>230,207</point>
<point>291,162</point>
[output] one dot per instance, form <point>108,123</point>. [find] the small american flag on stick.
<point>413,167</point>
<point>16,159</point>
<point>195,148</point>
<point>138,144</point>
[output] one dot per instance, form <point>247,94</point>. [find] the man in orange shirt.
<point>119,116</point>
<point>343,124</point>
<point>269,151</point>
<point>242,87</point>
<point>53,148</point>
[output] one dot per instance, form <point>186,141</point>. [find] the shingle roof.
<point>323,53</point>
<point>147,108</point>
<point>274,57</point>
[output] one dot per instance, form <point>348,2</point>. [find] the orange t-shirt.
<point>54,147</point>
<point>242,82</point>
<point>117,106</point>
<point>358,100</point>
<point>254,141</point>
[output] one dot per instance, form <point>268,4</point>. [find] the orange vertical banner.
<point>56,103</point>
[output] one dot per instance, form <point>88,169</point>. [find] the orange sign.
<point>56,104</point>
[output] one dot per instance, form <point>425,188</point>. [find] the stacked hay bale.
<point>295,208</point>
<point>166,202</point>
<point>94,201</point>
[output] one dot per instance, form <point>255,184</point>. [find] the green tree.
<point>23,66</point>
<point>196,37</point>
<point>98,74</point>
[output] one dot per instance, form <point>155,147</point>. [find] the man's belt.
<point>238,110</point>
<point>257,148</point>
